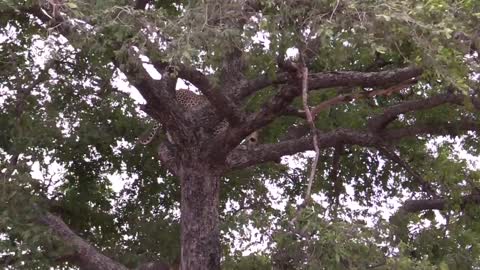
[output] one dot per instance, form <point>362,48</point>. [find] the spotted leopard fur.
<point>188,100</point>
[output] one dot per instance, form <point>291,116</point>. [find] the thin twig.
<point>304,75</point>
<point>334,10</point>
<point>310,121</point>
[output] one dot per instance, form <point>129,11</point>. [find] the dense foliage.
<point>69,128</point>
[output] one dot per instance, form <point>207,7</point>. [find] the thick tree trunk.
<point>199,217</point>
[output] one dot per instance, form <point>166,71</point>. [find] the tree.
<point>368,85</point>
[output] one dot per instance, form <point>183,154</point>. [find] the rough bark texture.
<point>86,256</point>
<point>413,206</point>
<point>199,221</point>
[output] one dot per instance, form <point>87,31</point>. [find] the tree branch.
<point>453,129</point>
<point>365,79</point>
<point>426,187</point>
<point>363,95</point>
<point>322,80</point>
<point>240,158</point>
<point>277,104</point>
<point>220,102</point>
<point>88,257</point>
<point>333,79</point>
<point>379,122</point>
<point>413,206</point>
<point>308,113</point>
<point>54,19</point>
<point>249,87</point>
<point>159,94</point>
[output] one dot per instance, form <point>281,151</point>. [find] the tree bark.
<point>86,256</point>
<point>199,220</point>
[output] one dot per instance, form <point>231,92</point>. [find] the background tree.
<point>385,92</point>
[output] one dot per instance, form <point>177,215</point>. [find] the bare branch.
<point>309,115</point>
<point>311,177</point>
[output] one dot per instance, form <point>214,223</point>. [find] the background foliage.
<point>67,131</point>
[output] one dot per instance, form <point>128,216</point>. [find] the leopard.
<point>189,100</point>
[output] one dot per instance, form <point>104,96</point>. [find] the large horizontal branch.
<point>86,255</point>
<point>240,158</point>
<point>379,122</point>
<point>322,80</point>
<point>349,97</point>
<point>364,79</point>
<point>413,206</point>
<point>454,129</point>
<point>274,107</point>
<point>345,98</point>
<point>265,80</point>
<point>333,79</point>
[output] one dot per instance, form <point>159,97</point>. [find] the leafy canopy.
<point>68,131</point>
